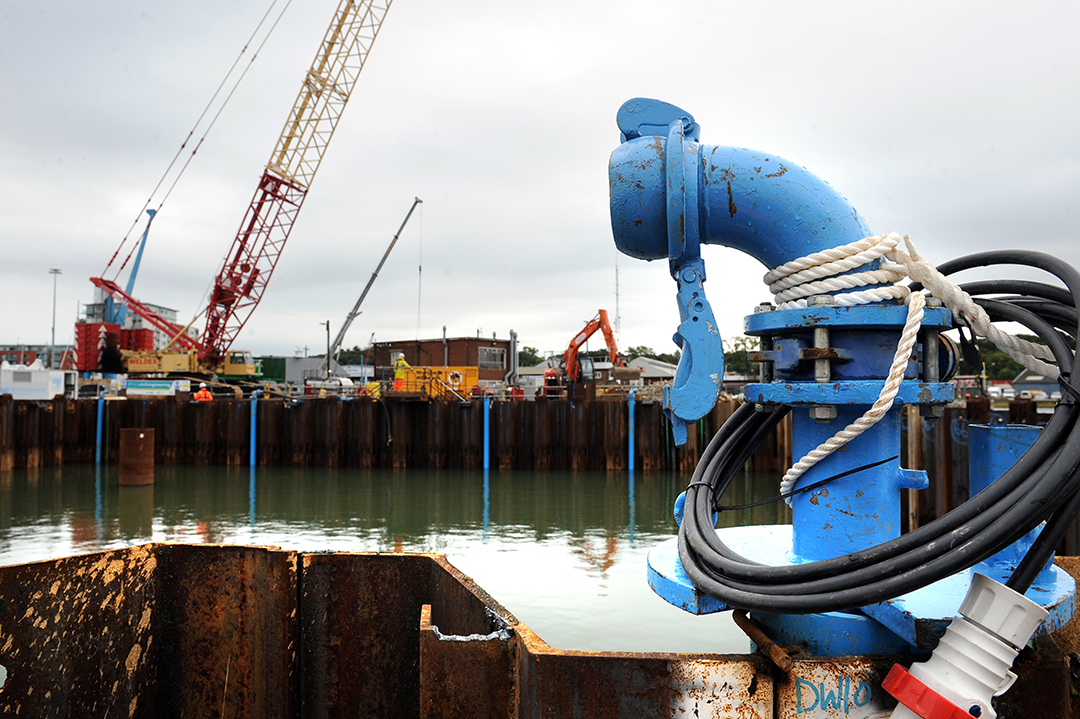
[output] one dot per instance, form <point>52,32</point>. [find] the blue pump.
<point>669,194</point>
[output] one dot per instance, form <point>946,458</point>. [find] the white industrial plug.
<point>973,660</point>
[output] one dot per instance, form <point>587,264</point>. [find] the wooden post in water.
<point>136,457</point>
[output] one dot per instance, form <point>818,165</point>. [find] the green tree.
<point>355,355</point>
<point>529,357</point>
<point>998,365</point>
<point>737,351</point>
<point>643,351</point>
<point>639,351</point>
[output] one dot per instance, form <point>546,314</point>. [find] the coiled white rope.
<point>816,274</point>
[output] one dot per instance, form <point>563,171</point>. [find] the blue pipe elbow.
<point>768,207</point>
<point>670,194</point>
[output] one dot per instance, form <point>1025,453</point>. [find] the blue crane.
<point>115,313</point>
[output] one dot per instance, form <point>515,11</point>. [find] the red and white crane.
<point>254,253</point>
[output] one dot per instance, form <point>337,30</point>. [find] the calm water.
<point>564,551</point>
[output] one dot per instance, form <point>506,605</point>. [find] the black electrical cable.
<point>1061,317</point>
<point>801,490</point>
<point>998,310</point>
<point>1026,288</point>
<point>1044,485</point>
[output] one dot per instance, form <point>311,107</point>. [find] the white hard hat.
<point>202,384</point>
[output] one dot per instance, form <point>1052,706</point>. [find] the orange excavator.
<point>573,369</point>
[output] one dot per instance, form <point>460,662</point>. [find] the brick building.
<point>490,355</point>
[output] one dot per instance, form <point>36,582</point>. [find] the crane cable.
<point>195,126</point>
<point>419,272</point>
<point>1043,485</point>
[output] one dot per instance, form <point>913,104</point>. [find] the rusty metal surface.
<point>776,655</point>
<point>466,674</point>
<point>560,683</point>
<point>1043,684</point>
<point>831,688</point>
<point>166,630</point>
<point>359,623</point>
<point>136,465</point>
<point>77,637</point>
<point>226,631</point>
<point>149,631</point>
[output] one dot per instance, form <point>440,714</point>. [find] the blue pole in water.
<point>487,502</point>
<point>100,414</point>
<point>630,463</point>
<point>251,501</point>
<point>487,432</point>
<point>254,423</point>
<point>99,509</point>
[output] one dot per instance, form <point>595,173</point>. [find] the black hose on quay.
<point>1044,485</point>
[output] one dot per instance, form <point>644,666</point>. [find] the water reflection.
<point>565,551</point>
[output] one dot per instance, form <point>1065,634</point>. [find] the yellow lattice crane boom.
<point>269,218</point>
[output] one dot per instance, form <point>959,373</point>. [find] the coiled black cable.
<point>1044,485</point>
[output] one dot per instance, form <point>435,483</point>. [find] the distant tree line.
<point>356,355</point>
<point>998,365</point>
<point>633,353</point>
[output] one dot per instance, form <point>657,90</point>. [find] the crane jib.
<point>269,218</point>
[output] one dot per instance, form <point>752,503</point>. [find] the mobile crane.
<point>333,350</point>
<point>250,262</point>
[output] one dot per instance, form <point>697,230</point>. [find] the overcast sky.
<point>956,123</point>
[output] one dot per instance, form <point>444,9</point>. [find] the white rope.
<point>815,274</point>
<point>1026,353</point>
<point>834,255</point>
<point>834,284</point>
<point>850,299</point>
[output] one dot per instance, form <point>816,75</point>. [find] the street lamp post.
<point>52,347</point>
<point>327,323</point>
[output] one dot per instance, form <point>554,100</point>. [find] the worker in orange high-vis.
<point>203,395</point>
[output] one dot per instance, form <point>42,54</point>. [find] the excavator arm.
<point>600,322</point>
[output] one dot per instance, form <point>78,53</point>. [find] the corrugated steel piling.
<point>7,433</point>
<point>253,632</point>
<point>545,435</point>
<point>541,435</point>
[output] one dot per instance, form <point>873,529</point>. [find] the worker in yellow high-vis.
<point>400,365</point>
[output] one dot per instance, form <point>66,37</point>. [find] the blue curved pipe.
<point>768,207</point>
<point>670,194</point>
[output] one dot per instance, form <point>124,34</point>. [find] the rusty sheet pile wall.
<point>169,630</point>
<point>552,435</point>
